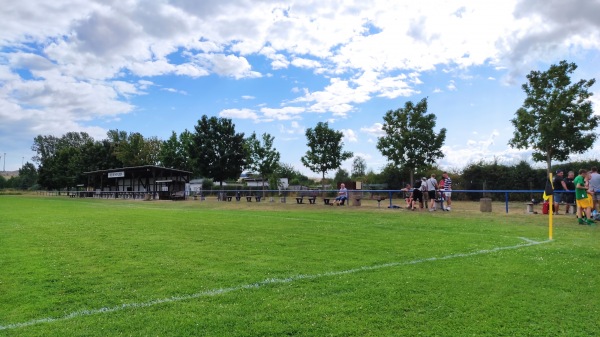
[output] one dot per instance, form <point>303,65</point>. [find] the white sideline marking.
<point>268,281</point>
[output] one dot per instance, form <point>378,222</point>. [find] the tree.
<point>174,151</point>
<point>392,176</point>
<point>341,176</point>
<point>62,161</point>
<point>294,176</point>
<point>262,157</point>
<point>218,151</point>
<point>410,140</point>
<point>325,149</point>
<point>133,149</point>
<point>359,167</point>
<point>28,176</point>
<point>557,118</point>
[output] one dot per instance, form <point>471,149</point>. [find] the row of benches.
<point>529,208</point>
<point>310,196</point>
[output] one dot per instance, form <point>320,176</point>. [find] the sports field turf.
<point>88,267</point>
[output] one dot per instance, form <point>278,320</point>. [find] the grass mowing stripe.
<point>269,281</point>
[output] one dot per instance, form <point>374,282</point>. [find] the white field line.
<point>269,281</point>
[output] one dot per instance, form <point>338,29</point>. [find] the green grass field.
<point>87,267</point>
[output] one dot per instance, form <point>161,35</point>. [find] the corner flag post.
<point>550,217</point>
<point>549,195</point>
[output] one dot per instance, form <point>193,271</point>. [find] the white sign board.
<point>116,174</point>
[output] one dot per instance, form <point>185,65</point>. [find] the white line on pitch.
<point>269,281</point>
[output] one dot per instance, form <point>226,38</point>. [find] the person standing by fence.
<point>595,186</point>
<point>432,185</point>
<point>584,200</point>
<point>559,187</point>
<point>569,197</point>
<point>447,190</point>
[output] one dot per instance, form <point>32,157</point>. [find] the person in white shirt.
<point>595,186</point>
<point>342,195</point>
<point>432,186</point>
<point>447,190</point>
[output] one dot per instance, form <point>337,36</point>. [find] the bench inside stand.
<point>311,197</point>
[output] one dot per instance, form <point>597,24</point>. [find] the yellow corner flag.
<point>549,190</point>
<point>548,195</point>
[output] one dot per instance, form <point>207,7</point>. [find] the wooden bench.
<point>309,195</point>
<point>378,198</point>
<point>180,195</point>
<point>572,207</point>
<point>342,202</point>
<point>529,207</point>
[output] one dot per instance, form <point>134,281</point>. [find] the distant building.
<point>162,182</point>
<point>252,179</point>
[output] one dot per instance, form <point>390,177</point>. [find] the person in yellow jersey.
<point>583,198</point>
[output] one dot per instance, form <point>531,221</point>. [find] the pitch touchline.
<point>268,281</point>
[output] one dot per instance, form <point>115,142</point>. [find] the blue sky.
<point>283,66</point>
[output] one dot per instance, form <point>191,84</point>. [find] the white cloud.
<point>175,91</point>
<point>457,156</point>
<point>239,114</point>
<point>451,86</point>
<point>293,129</point>
<point>84,62</point>
<point>285,113</point>
<point>350,135</point>
<point>375,130</point>
<point>305,63</point>
<point>227,65</point>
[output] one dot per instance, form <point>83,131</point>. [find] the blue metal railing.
<point>285,193</point>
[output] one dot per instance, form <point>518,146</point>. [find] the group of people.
<point>586,188</point>
<point>414,195</point>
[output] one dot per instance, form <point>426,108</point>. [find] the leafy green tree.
<point>325,151</point>
<point>341,175</point>
<point>359,167</point>
<point>263,158</point>
<point>218,151</point>
<point>133,149</point>
<point>294,176</point>
<point>62,161</point>
<point>174,151</point>
<point>44,147</point>
<point>557,118</point>
<point>393,177</point>
<point>410,140</point>
<point>28,176</point>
